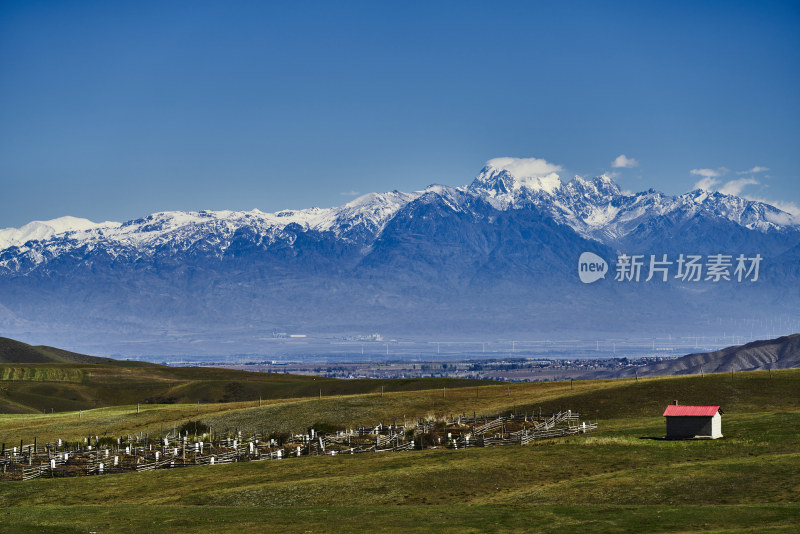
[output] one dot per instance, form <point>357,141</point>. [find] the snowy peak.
<point>374,208</point>
<point>42,230</point>
<point>750,213</point>
<point>365,217</point>
<point>601,188</point>
<point>598,209</point>
<point>507,176</point>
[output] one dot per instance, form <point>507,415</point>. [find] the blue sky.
<point>113,110</point>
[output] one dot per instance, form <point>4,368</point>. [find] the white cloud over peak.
<point>710,182</point>
<point>706,184</point>
<point>349,193</point>
<point>734,187</point>
<point>709,178</point>
<point>624,162</point>
<point>754,170</point>
<point>709,173</point>
<point>525,167</point>
<point>532,173</point>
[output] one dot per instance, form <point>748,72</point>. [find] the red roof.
<point>690,411</point>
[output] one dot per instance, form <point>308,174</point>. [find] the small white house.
<point>693,422</point>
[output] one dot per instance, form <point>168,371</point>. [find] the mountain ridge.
<point>596,209</point>
<point>497,256</point>
<point>760,355</point>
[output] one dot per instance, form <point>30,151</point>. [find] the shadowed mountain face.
<point>780,353</point>
<point>497,258</point>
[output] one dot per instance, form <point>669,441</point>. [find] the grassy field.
<point>44,387</point>
<point>623,477</point>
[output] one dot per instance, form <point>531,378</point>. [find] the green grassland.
<point>44,387</point>
<point>13,351</point>
<point>38,379</point>
<point>623,477</point>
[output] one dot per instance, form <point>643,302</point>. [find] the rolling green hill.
<point>622,478</point>
<point>12,351</point>
<point>44,379</point>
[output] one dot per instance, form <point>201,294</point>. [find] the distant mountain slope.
<point>780,353</point>
<point>12,351</point>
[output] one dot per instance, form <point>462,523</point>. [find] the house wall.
<point>716,426</point>
<point>690,427</point>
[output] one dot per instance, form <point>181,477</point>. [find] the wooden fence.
<point>99,456</point>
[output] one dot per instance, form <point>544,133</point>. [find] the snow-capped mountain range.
<point>496,256</point>
<point>595,208</point>
<point>364,216</point>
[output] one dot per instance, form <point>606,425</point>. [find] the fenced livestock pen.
<point>97,455</point>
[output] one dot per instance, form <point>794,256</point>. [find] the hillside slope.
<point>13,351</point>
<point>36,379</point>
<point>622,478</point>
<point>779,353</point>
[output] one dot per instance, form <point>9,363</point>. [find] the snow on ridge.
<point>184,228</point>
<point>42,230</point>
<point>596,208</point>
<point>602,216</point>
<point>533,173</point>
<point>505,176</point>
